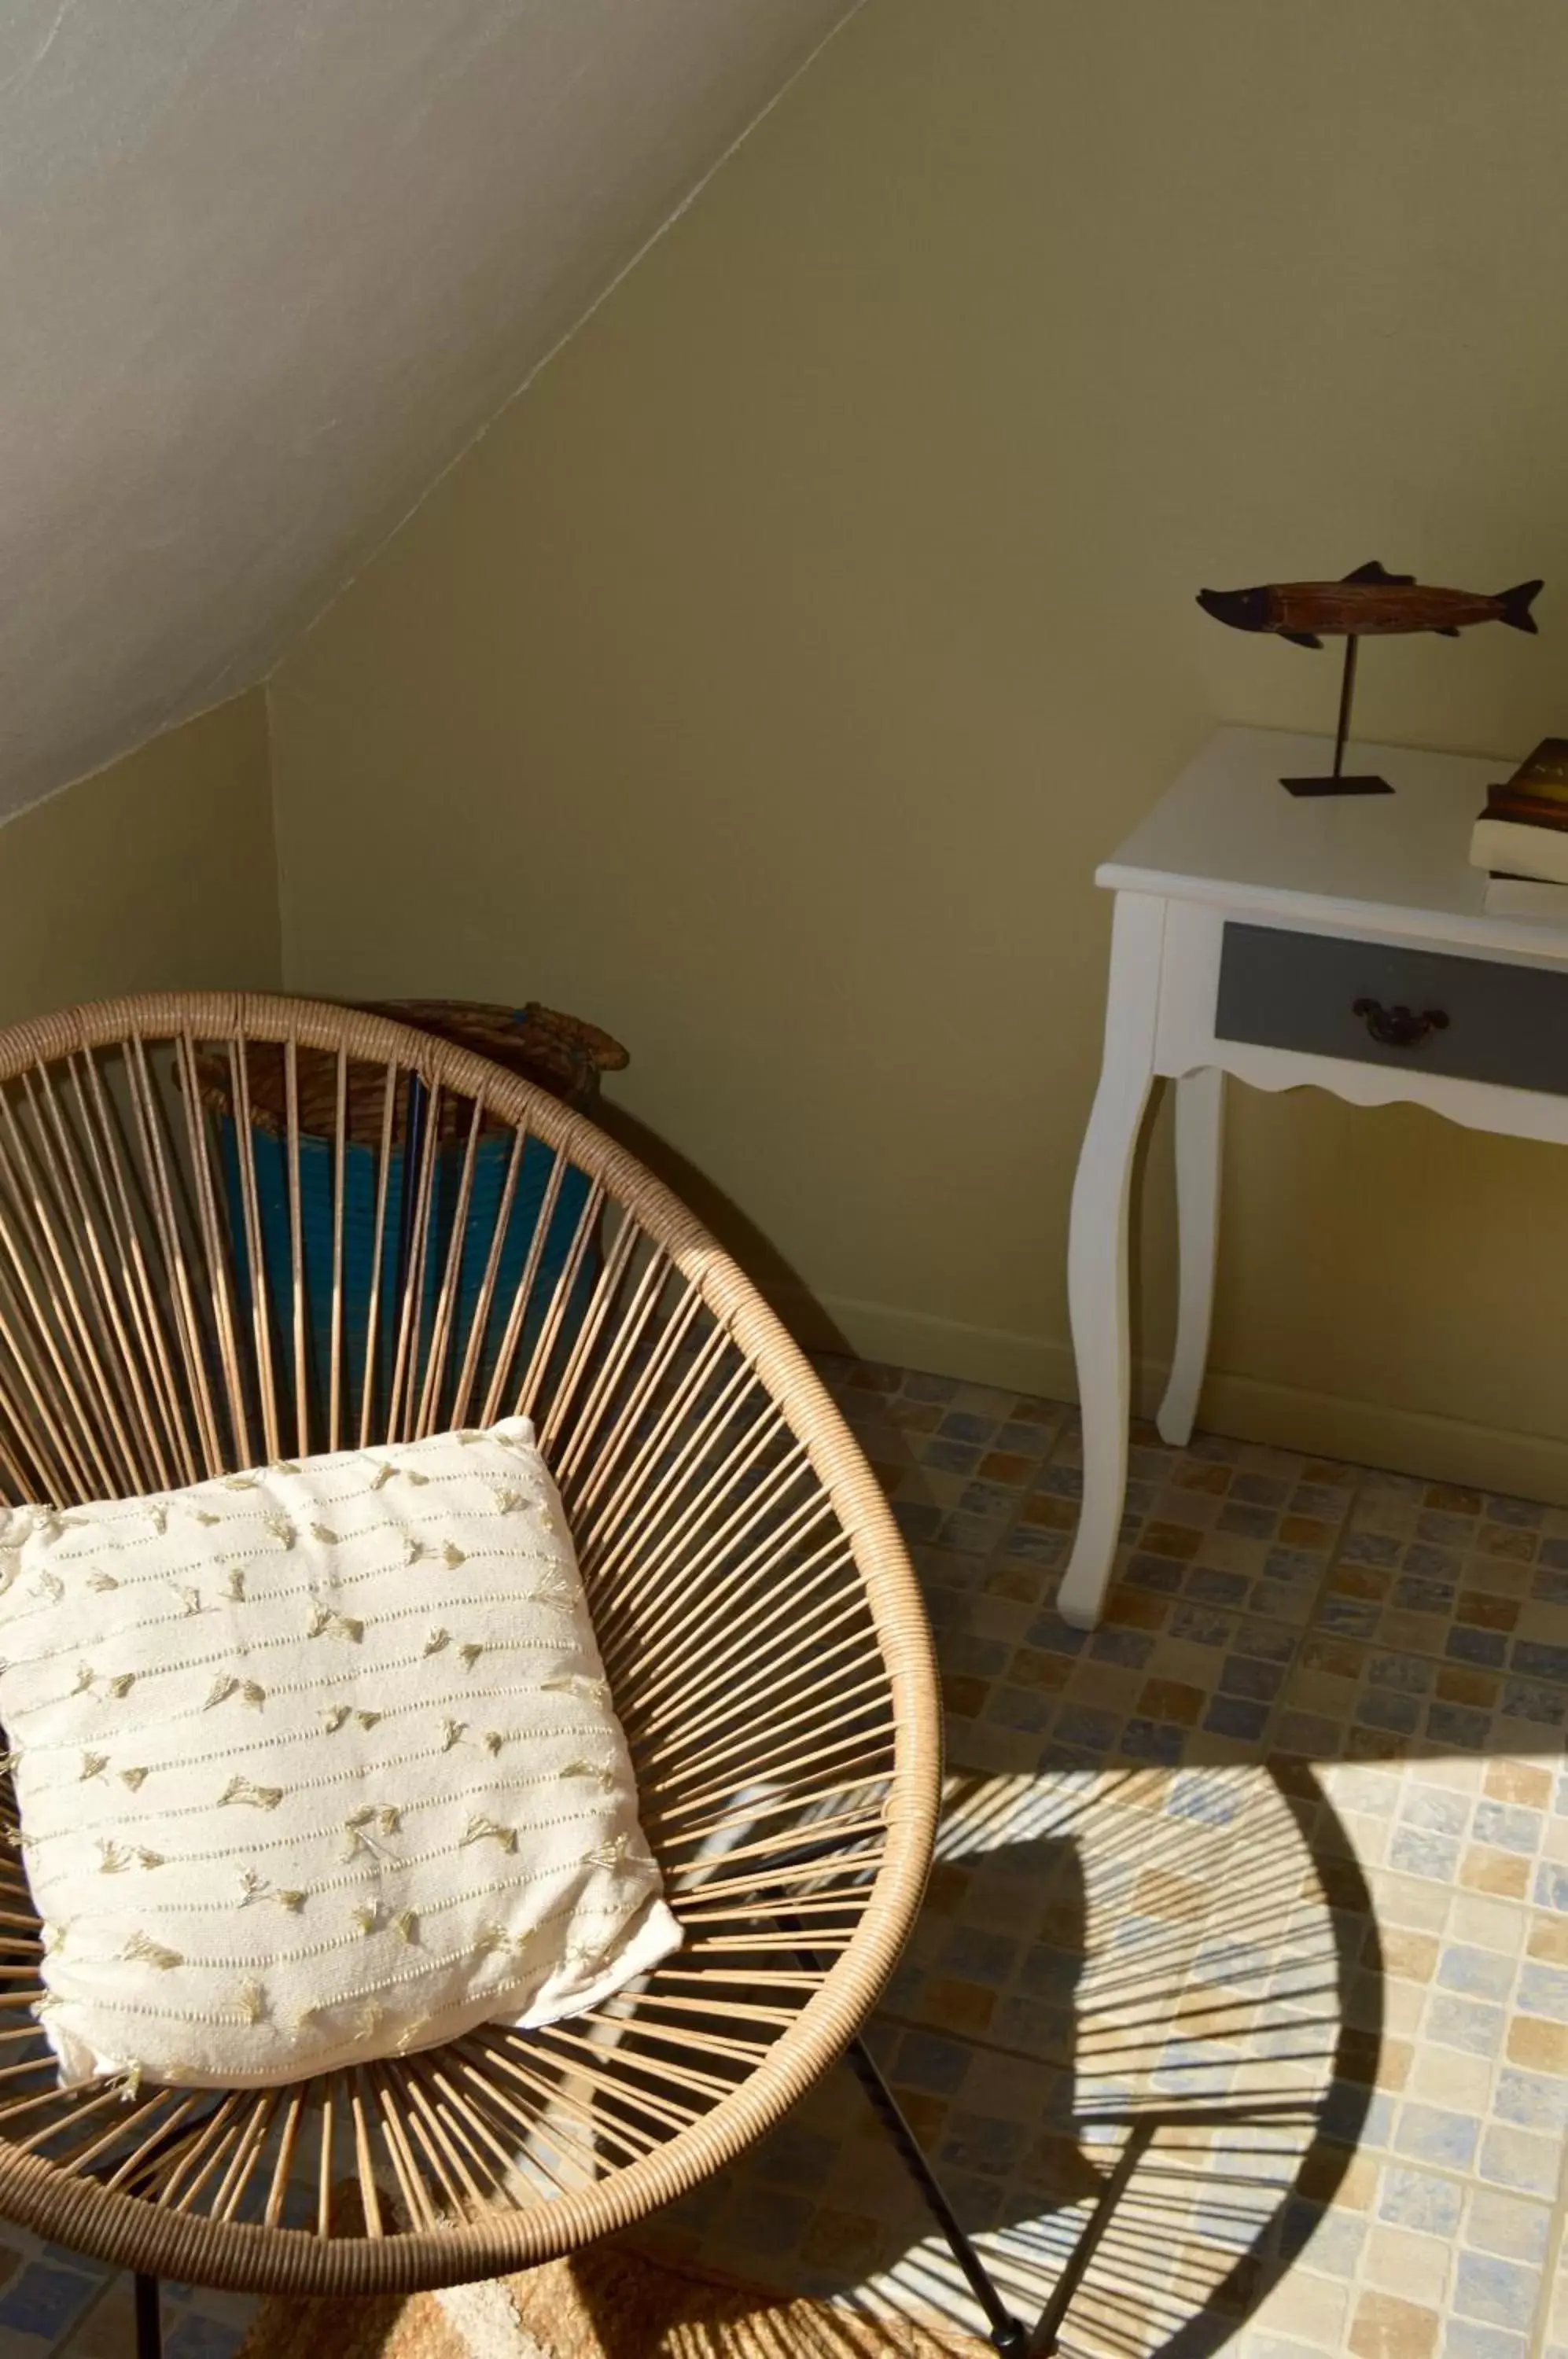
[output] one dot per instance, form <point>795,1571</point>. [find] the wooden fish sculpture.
<point>1369,603</point>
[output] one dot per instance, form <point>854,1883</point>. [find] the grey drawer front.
<point>1507,1023</point>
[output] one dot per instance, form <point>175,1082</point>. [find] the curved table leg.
<point>1200,1128</point>
<point>1096,1250</point>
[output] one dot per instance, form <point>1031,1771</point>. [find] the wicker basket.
<point>557,1052</point>
<point>561,1053</point>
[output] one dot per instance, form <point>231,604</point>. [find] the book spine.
<point>1539,790</point>
<point>1526,810</point>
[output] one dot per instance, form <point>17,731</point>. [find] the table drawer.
<point>1370,1002</point>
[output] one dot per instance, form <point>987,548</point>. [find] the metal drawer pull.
<point>1399,1028</point>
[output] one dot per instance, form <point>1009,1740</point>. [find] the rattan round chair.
<point>233,1227</point>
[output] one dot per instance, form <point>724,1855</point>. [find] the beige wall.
<point>768,682</point>
<point>157,873</point>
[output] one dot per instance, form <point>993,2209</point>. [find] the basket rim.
<point>129,2232</point>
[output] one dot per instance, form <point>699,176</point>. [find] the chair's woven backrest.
<point>236,1228</point>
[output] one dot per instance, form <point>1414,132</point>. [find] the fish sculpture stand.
<point>1371,603</point>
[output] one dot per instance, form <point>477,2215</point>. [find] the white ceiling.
<point>266,266</point>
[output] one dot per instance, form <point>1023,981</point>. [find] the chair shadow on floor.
<point>1147,2128</point>
<point>1147,2186</point>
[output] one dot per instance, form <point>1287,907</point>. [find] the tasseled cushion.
<point>316,1764</point>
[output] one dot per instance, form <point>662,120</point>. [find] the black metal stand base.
<point>1336,782</point>
<point>149,2324</point>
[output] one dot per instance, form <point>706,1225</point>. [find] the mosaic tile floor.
<point>1246,1958</point>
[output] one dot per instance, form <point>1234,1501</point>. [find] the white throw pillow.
<point>317,1763</point>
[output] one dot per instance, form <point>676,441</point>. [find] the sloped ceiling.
<point>266,266</point>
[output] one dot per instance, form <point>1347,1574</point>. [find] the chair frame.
<point>184,1391</point>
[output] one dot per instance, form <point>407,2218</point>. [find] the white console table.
<point>1337,941</point>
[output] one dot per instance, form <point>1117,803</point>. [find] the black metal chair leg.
<point>149,2324</point>
<point>1008,2334</point>
<point>1053,2317</point>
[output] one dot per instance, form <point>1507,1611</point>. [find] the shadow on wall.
<point>760,1259</point>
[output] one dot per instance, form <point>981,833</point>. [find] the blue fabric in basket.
<point>491,1158</point>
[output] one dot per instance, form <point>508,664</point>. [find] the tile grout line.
<point>1048,1458</point>
<point>1331,1561</point>
<point>1398,1751</point>
<point>1537,2338</point>
<point>1062,1427</point>
<point>1265,1753</point>
<point>1551,2266</point>
<point>1263,1748</point>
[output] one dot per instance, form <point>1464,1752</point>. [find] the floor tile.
<point>1256,1896</point>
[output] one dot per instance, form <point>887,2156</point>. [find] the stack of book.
<point>1521,837</point>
